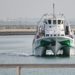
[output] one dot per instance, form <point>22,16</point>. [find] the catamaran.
<point>54,34</point>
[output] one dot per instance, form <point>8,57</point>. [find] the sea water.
<point>17,49</point>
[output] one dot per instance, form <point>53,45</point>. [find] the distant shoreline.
<point>18,32</point>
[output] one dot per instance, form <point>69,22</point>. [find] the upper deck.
<point>51,26</point>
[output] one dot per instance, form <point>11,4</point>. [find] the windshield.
<point>54,21</point>
<point>49,21</point>
<point>59,21</point>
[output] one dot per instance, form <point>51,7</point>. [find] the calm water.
<point>18,48</point>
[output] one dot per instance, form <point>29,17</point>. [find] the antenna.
<point>53,10</point>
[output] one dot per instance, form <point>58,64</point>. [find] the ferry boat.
<point>53,34</point>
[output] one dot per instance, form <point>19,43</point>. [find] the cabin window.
<point>49,21</point>
<point>54,34</point>
<point>54,21</point>
<point>47,34</point>
<point>67,30</point>
<point>49,26</point>
<point>51,34</point>
<point>58,34</point>
<point>62,34</point>
<point>59,21</point>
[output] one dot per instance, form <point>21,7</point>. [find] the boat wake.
<point>25,54</point>
<point>17,54</point>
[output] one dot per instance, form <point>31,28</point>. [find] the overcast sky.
<point>14,9</point>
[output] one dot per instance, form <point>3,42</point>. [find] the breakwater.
<point>18,32</point>
<point>17,29</point>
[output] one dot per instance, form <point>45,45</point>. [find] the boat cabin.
<point>51,27</point>
<point>54,27</point>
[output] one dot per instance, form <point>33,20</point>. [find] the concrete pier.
<point>20,66</point>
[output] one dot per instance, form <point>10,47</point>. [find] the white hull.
<point>55,44</point>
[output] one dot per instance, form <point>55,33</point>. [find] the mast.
<point>53,10</point>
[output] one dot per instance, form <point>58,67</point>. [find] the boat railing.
<point>19,67</point>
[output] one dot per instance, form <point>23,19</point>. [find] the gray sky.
<point>14,9</point>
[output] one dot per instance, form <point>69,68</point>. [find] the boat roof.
<point>56,17</point>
